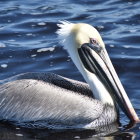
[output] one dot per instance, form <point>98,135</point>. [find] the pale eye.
<point>95,45</point>
<point>93,41</point>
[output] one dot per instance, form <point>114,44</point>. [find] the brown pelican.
<point>49,100</point>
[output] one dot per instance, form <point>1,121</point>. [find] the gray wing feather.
<point>54,79</point>
<point>25,99</point>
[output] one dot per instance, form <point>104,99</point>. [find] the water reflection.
<point>110,132</point>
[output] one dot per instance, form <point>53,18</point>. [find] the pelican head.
<point>87,50</point>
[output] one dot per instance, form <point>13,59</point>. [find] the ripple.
<point>45,49</point>
<point>19,135</point>
<point>2,45</point>
<point>42,23</point>
<point>4,65</point>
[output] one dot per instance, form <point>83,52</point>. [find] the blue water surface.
<point>28,43</point>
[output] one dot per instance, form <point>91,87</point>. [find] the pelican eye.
<point>95,45</point>
<point>93,41</point>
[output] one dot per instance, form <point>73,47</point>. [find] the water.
<point>28,43</point>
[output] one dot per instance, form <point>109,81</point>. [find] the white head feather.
<point>79,33</point>
<point>72,36</point>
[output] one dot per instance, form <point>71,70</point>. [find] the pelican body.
<point>47,100</point>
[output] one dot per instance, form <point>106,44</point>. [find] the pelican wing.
<point>54,79</point>
<point>26,100</point>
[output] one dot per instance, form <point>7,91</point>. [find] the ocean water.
<point>28,43</point>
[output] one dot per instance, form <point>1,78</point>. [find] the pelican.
<point>47,100</point>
